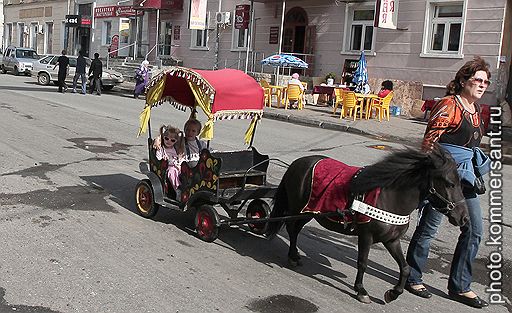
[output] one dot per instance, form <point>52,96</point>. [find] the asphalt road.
<point>72,241</point>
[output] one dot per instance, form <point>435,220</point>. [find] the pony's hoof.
<point>390,295</point>
<point>364,298</point>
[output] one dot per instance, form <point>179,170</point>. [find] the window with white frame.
<point>199,39</point>
<point>445,28</point>
<point>106,33</point>
<point>21,34</point>
<point>239,39</point>
<point>359,33</point>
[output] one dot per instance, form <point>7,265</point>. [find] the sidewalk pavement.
<point>408,131</point>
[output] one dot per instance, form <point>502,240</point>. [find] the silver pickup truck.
<point>18,60</point>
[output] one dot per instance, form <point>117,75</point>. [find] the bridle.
<point>449,205</point>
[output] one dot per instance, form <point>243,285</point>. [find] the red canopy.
<point>229,90</point>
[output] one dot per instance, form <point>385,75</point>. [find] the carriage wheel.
<point>258,209</point>
<point>144,199</point>
<point>206,221</point>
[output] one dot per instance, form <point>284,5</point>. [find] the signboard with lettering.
<point>116,11</point>
<point>273,38</point>
<point>197,14</point>
<point>242,16</point>
<point>85,21</point>
<point>73,20</point>
<point>177,32</point>
<point>386,14</point>
<point>158,4</point>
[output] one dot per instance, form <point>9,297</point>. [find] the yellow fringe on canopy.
<point>144,118</point>
<point>203,101</point>
<point>154,94</point>
<point>250,131</point>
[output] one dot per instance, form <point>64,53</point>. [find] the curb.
<point>312,123</point>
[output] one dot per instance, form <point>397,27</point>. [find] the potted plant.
<point>329,78</point>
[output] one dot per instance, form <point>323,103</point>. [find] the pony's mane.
<point>403,169</point>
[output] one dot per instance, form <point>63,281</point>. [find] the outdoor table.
<point>280,93</point>
<point>327,90</point>
<point>366,99</point>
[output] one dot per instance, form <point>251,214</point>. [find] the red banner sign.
<point>158,4</point>
<point>116,11</point>
<point>242,16</point>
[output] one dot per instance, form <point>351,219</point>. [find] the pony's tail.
<point>280,206</point>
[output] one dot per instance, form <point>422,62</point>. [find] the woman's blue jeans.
<point>465,252</point>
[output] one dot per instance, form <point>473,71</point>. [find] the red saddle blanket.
<point>330,191</point>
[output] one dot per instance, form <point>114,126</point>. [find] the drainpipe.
<point>281,38</point>
<point>217,39</point>
<point>249,32</point>
<point>157,37</point>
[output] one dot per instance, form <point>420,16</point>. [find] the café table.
<point>327,90</point>
<point>366,100</point>
<point>280,92</point>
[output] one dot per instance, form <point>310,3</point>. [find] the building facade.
<point>432,40</point>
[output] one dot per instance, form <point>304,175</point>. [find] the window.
<point>444,29</point>
<point>46,60</point>
<point>33,35</point>
<point>199,39</point>
<point>8,35</point>
<point>106,30</point>
<point>21,34</point>
<point>48,34</point>
<point>239,40</point>
<point>359,34</point>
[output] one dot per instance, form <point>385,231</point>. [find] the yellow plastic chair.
<point>351,105</point>
<point>338,100</point>
<point>381,105</point>
<point>305,85</point>
<point>267,91</point>
<point>294,93</point>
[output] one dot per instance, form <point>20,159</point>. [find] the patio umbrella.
<point>361,76</point>
<point>284,60</point>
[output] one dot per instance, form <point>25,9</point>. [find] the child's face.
<point>170,139</point>
<point>191,132</point>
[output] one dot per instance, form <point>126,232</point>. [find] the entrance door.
<point>165,38</point>
<point>124,37</point>
<point>294,35</point>
<point>84,39</point>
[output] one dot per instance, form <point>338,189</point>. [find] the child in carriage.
<point>193,145</point>
<point>170,146</point>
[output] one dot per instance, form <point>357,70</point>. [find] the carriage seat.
<point>237,166</point>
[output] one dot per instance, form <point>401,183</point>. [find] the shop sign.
<point>386,14</point>
<point>177,30</point>
<point>274,35</point>
<point>73,20</point>
<point>114,46</point>
<point>116,11</point>
<point>242,16</point>
<point>85,21</point>
<point>197,14</point>
<point>158,4</point>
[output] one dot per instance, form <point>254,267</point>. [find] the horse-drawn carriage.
<point>231,179</point>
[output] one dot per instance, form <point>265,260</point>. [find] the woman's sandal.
<point>421,292</point>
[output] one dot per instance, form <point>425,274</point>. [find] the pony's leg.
<point>363,250</point>
<point>395,249</point>
<point>294,228</point>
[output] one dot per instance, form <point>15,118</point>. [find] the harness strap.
<point>378,214</point>
<point>198,142</point>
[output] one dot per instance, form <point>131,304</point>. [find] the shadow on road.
<point>25,88</point>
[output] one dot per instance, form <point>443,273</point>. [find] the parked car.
<point>46,73</point>
<point>18,60</point>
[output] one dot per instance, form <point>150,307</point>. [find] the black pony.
<point>406,178</point>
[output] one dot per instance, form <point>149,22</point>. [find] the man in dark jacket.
<point>97,70</point>
<point>80,72</point>
<point>63,63</point>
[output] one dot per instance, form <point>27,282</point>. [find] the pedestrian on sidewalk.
<point>63,64</point>
<point>456,124</point>
<point>80,72</point>
<point>97,70</point>
<point>141,79</point>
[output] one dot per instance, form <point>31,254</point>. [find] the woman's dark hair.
<point>466,72</point>
<point>387,84</point>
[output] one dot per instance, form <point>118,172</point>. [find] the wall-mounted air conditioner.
<point>223,17</point>
<point>25,29</point>
<point>40,29</point>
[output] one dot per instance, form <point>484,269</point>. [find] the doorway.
<point>84,39</point>
<point>294,35</point>
<point>165,38</point>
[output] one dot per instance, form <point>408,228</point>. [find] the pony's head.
<point>444,188</point>
<point>434,174</point>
